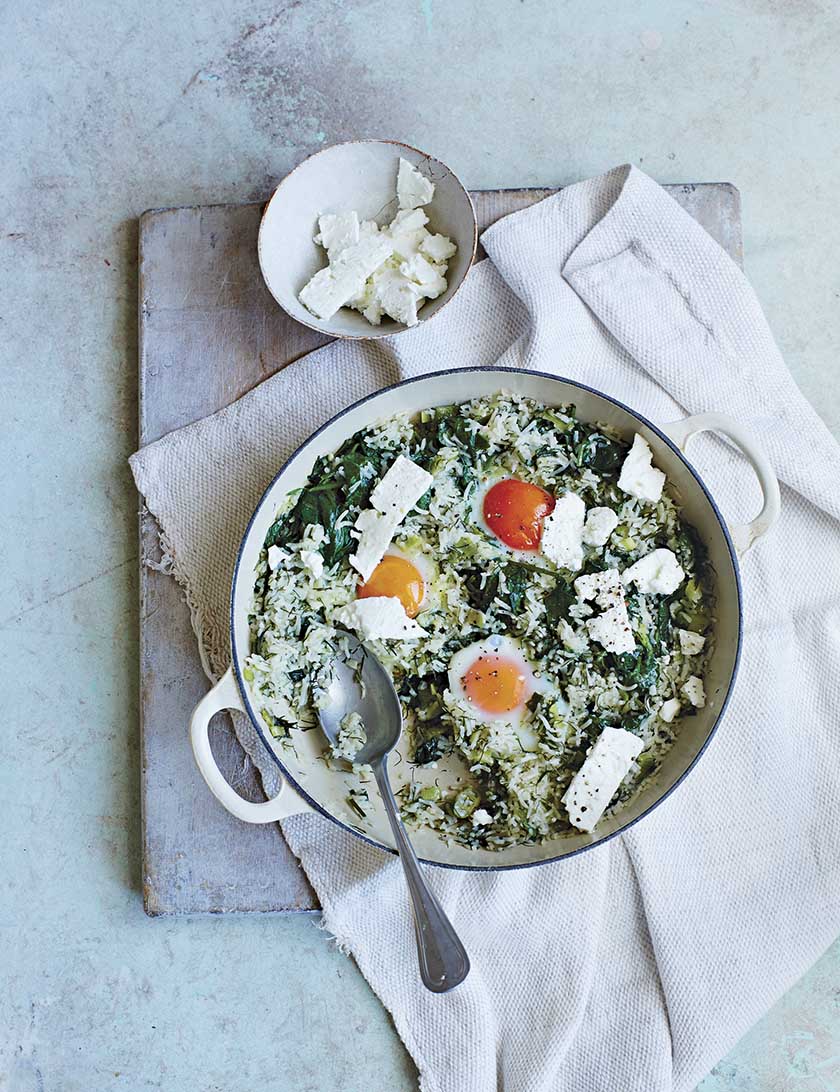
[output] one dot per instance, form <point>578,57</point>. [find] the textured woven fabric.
<point>635,966</point>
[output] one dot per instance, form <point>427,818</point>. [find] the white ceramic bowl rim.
<point>314,804</point>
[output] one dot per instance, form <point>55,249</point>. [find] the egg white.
<point>509,649</point>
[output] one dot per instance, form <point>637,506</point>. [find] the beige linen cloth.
<point>635,966</point>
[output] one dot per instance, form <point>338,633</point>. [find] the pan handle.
<point>225,695</point>
<point>743,534</point>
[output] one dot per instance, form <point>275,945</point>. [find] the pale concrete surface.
<point>109,109</point>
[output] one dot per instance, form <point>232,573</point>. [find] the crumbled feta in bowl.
<point>367,238</point>
<point>382,272</point>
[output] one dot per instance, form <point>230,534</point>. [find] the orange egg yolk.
<point>495,684</point>
<point>514,511</point>
<point>396,576</point>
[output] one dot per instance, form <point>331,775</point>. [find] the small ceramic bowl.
<point>360,175</point>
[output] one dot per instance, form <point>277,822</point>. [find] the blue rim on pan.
<point>243,686</point>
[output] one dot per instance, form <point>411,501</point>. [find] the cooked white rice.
<point>504,783</point>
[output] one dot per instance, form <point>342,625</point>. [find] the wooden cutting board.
<point>209,332</point>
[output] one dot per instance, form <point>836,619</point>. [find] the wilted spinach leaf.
<point>557,603</point>
<point>639,666</point>
<point>552,421</point>
<point>445,427</point>
<point>608,456</point>
<point>274,535</point>
<point>432,747</point>
<point>359,470</point>
<point>535,701</point>
<point>433,737</point>
<point>633,723</point>
<point>597,451</point>
<point>481,596</point>
<point>690,549</point>
<point>516,582</point>
<point>662,621</point>
<point>426,694</point>
<point>456,430</point>
<point>334,485</point>
<point>630,722</point>
<point>425,442</point>
<point>325,504</point>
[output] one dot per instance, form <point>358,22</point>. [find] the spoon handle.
<point>443,960</point>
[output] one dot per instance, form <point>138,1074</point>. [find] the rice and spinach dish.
<point>545,613</point>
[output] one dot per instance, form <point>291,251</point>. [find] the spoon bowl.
<point>360,684</point>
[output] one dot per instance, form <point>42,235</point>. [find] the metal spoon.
<point>362,685</point>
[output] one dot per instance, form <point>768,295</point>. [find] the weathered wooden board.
<point>209,332</point>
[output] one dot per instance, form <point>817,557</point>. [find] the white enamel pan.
<point>310,786</point>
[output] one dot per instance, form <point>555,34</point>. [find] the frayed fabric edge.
<point>213,649</point>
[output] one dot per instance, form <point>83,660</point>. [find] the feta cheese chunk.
<point>598,779</point>
<point>691,643</point>
<point>408,220</point>
<point>275,555</point>
<point>668,710</point>
<point>604,587</point>
<point>399,489</point>
<point>600,524</point>
<point>375,534</point>
<point>612,630</point>
<point>344,278</point>
<point>413,188</point>
<point>481,818</point>
<point>438,247</point>
<point>562,536</point>
<point>407,232</point>
<point>428,278</point>
<point>337,231</point>
<point>657,573</point>
<point>694,690</point>
<point>396,296</point>
<point>313,562</point>
<point>638,477</point>
<point>379,618</point>
<point>368,301</point>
